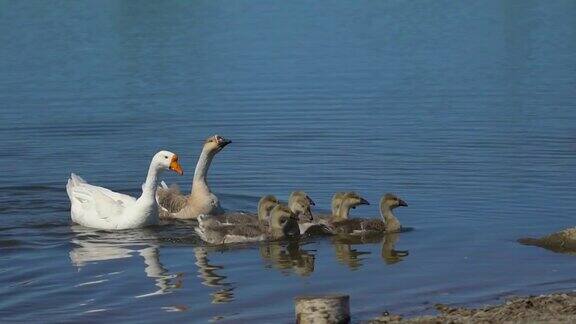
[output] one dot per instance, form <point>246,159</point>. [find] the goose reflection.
<point>345,254</point>
<point>288,258</point>
<point>93,246</point>
<point>389,254</point>
<point>353,257</point>
<point>210,278</point>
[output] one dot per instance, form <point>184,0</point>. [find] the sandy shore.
<point>553,308</point>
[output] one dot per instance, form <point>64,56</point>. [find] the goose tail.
<point>204,223</point>
<point>74,181</point>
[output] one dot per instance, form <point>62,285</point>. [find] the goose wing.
<point>358,226</point>
<point>237,218</point>
<point>213,231</point>
<point>170,198</point>
<point>92,204</point>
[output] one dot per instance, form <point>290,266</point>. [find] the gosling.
<point>283,223</point>
<point>319,224</point>
<point>388,224</point>
<point>265,206</point>
<point>300,204</point>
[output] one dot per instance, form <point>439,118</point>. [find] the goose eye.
<point>165,156</point>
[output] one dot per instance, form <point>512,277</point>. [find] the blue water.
<point>465,110</point>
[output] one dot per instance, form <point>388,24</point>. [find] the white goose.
<point>100,208</point>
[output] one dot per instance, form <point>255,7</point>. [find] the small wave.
<point>90,283</point>
<point>95,311</point>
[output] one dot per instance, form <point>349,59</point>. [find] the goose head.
<point>299,203</point>
<point>391,201</point>
<point>165,160</point>
<point>352,200</point>
<point>336,202</point>
<point>283,222</point>
<point>215,143</point>
<point>265,205</point>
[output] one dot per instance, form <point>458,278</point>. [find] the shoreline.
<point>554,307</point>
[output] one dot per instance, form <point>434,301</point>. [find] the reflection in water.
<point>346,255</point>
<point>352,257</point>
<point>154,269</point>
<point>286,258</point>
<point>92,246</point>
<point>275,255</point>
<point>210,278</point>
<point>389,255</point>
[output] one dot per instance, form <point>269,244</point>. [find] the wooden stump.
<point>326,309</point>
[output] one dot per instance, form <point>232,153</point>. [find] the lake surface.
<point>465,110</point>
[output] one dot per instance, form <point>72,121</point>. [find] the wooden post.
<point>326,309</point>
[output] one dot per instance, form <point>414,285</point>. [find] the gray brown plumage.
<point>320,224</point>
<point>300,203</point>
<point>265,206</point>
<point>171,200</point>
<point>282,224</point>
<point>353,225</point>
<point>201,200</point>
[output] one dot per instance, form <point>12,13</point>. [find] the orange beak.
<point>175,166</point>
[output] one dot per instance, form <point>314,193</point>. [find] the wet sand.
<point>555,308</point>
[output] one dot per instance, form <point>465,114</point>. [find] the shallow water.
<point>464,110</point>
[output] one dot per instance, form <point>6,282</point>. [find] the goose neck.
<point>151,183</point>
<point>392,223</point>
<point>200,182</point>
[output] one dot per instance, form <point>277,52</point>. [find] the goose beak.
<point>364,201</point>
<point>223,142</point>
<point>175,166</point>
<point>402,203</point>
<point>312,203</point>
